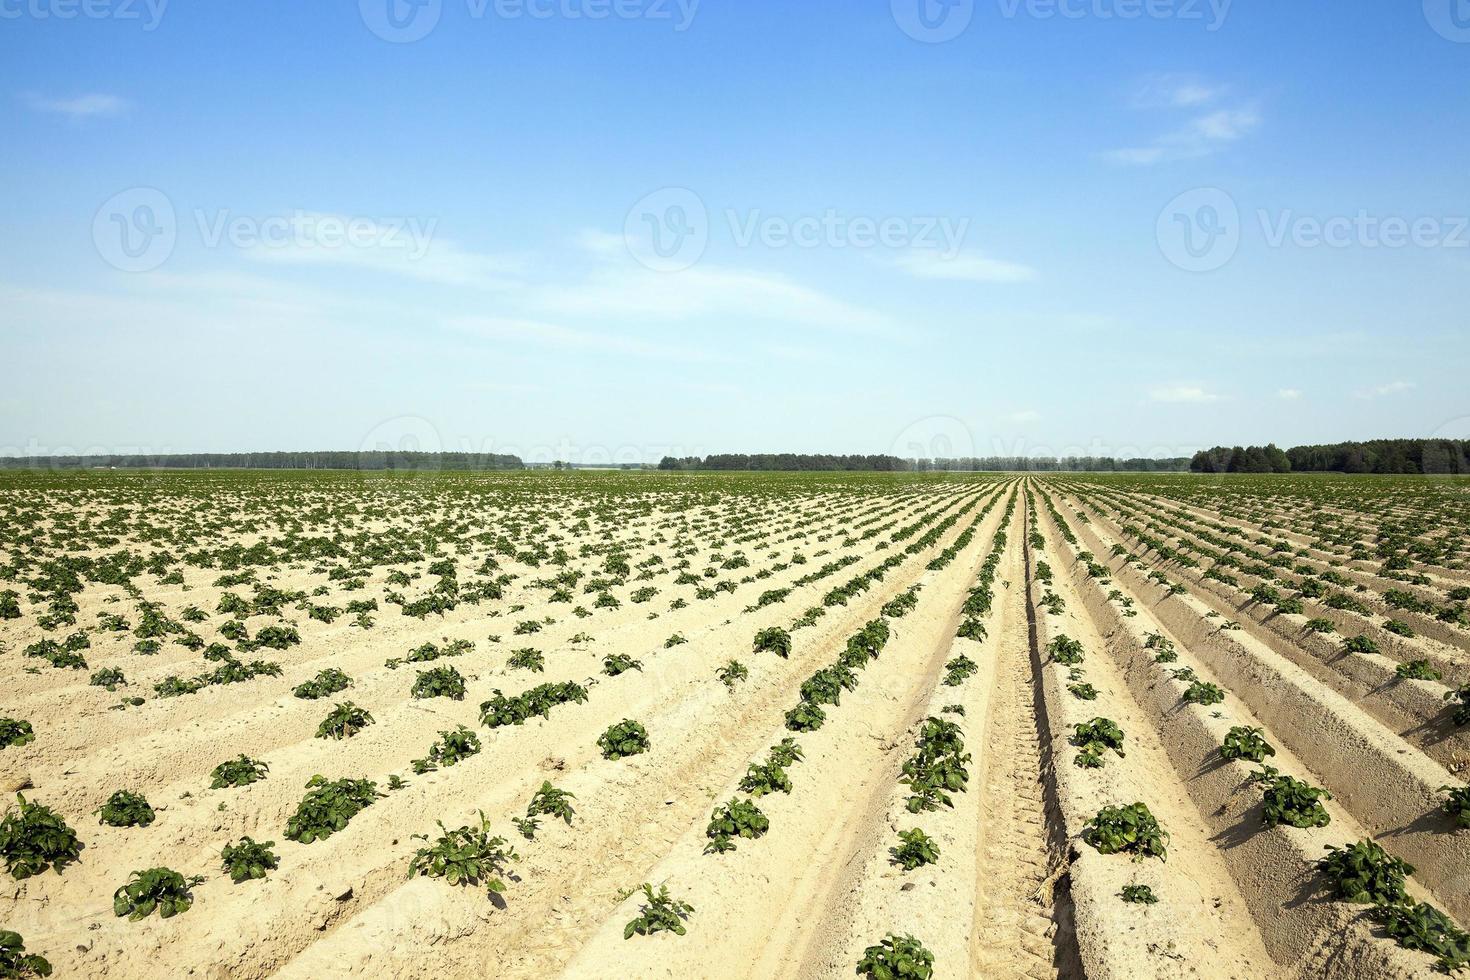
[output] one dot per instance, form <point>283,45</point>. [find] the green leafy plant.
<point>15,732</point>
<point>34,838</point>
<point>1128,829</point>
<point>785,753</point>
<point>1094,738</point>
<point>1139,895</point>
<point>238,772</point>
<point>763,778</point>
<point>732,673</point>
<point>344,721</point>
<point>527,658</point>
<point>1203,693</point>
<point>125,809</point>
<point>328,806</point>
<point>1423,927</point>
<point>738,818</point>
<point>160,889</point>
<point>620,663</point>
<point>552,802</point>
<point>958,670</point>
<point>660,912</point>
<point>15,962</point>
<point>897,958</point>
<point>773,639</point>
<point>1418,670</point>
<point>1360,644</point>
<point>1457,805</point>
<point>1365,873</point>
<point>466,856</point>
<point>1245,744</point>
<point>1083,691</point>
<point>805,717</point>
<point>1065,650</point>
<point>1461,714</point>
<point>249,859</point>
<point>1293,802</point>
<point>110,678</point>
<point>452,748</point>
<point>915,849</point>
<point>624,739</point>
<point>439,682</point>
<point>326,683</point>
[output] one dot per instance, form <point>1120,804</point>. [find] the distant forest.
<point>274,461</point>
<point>1428,456</point>
<point>801,462</point>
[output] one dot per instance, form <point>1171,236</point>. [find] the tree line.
<point>274,461</point>
<point>801,462</point>
<point>1400,456</point>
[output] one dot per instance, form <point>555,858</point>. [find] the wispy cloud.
<point>1289,394</point>
<point>966,267</point>
<point>1214,125</point>
<point>1180,394</point>
<point>1392,388</point>
<point>545,334</point>
<point>80,106</point>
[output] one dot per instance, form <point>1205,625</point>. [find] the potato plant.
<point>328,806</point>
<point>1131,830</point>
<point>14,733</point>
<point>1094,738</point>
<point>626,738</point>
<point>469,855</point>
<point>439,682</point>
<point>248,859</point>
<point>158,889</point>
<point>15,962</point>
<point>660,912</point>
<point>33,837</point>
<point>1247,744</point>
<point>915,849</point>
<point>897,958</point>
<point>237,772</point>
<point>1365,873</point>
<point>327,682</point>
<point>732,820</point>
<point>125,809</point>
<point>773,639</point>
<point>344,721</point>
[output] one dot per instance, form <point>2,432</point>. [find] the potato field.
<point>315,724</point>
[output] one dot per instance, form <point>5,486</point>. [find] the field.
<point>451,724</point>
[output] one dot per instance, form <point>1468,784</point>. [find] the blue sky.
<point>1135,226</point>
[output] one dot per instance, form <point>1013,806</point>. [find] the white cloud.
<point>1289,394</point>
<point>566,338</point>
<point>618,287</point>
<point>1175,91</point>
<point>969,267</point>
<point>1182,394</point>
<point>1392,388</point>
<point>81,106</point>
<point>1200,136</point>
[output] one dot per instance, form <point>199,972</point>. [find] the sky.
<point>617,229</point>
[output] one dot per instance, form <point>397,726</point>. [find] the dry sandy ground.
<point>1017,890</point>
